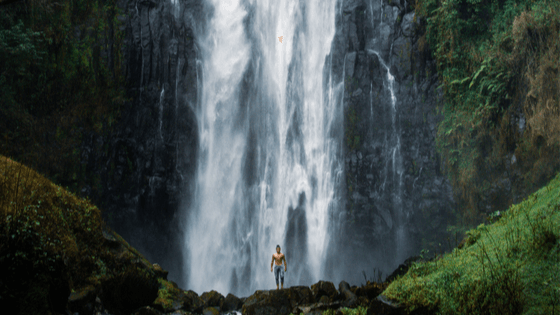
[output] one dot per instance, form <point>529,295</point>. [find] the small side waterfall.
<point>392,185</point>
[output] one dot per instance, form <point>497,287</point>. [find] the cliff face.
<point>397,200</point>
<point>395,194</point>
<point>150,157</point>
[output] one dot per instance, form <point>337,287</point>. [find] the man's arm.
<point>272,262</point>
<point>285,262</point>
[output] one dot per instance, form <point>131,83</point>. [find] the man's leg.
<point>276,274</point>
<point>282,277</point>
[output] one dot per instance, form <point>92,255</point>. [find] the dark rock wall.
<point>148,162</point>
<point>366,234</point>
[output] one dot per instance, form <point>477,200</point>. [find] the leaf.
<point>476,75</point>
<point>460,81</point>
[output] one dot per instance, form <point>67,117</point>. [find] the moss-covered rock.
<point>212,298</point>
<point>231,303</point>
<point>57,252</point>
<point>82,301</point>
<point>324,288</point>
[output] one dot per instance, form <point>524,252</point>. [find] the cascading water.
<point>393,170</point>
<point>269,145</point>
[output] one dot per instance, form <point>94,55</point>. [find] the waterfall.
<point>393,156</point>
<point>268,158</point>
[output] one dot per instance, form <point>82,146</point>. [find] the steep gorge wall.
<point>147,163</point>
<point>370,36</point>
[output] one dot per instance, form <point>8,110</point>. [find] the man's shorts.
<point>279,272</point>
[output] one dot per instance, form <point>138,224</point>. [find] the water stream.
<point>269,145</point>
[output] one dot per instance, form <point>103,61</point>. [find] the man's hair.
<point>277,246</point>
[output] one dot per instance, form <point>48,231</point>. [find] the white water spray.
<point>238,218</point>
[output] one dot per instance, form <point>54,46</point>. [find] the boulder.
<point>370,290</point>
<point>316,308</point>
<point>277,301</point>
<point>212,298</point>
<point>299,295</point>
<point>211,311</point>
<point>145,310</point>
<point>268,302</point>
<point>82,301</point>
<point>323,288</point>
<point>350,299</point>
<point>192,302</point>
<point>231,303</point>
<point>160,273</point>
<point>402,268</point>
<point>129,290</point>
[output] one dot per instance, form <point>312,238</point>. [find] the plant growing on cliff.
<point>52,241</point>
<point>57,84</point>
<point>493,59</point>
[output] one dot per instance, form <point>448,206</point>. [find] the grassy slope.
<point>47,233</point>
<point>509,267</point>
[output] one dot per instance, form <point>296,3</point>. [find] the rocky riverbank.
<point>58,256</point>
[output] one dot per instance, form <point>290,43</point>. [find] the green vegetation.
<point>60,80</point>
<point>509,267</point>
<point>495,59</point>
<point>360,310</point>
<point>48,235</point>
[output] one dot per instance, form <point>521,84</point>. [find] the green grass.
<point>509,267</point>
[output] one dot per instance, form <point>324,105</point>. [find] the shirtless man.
<point>278,257</point>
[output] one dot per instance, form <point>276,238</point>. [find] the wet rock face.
<point>148,161</point>
<point>395,192</point>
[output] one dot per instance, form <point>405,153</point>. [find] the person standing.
<point>278,257</point>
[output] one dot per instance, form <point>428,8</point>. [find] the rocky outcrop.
<point>350,299</point>
<point>147,162</point>
<point>231,303</point>
<point>324,289</point>
<point>395,192</point>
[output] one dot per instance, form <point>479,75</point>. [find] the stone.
<point>349,63</point>
<point>275,302</point>
<point>408,26</point>
<point>402,268</point>
<point>212,298</point>
<point>263,302</point>
<point>192,302</point>
<point>158,52</point>
<point>145,310</point>
<point>370,290</point>
<point>211,311</point>
<point>129,290</point>
<point>350,299</point>
<point>316,308</point>
<point>82,300</point>
<point>231,303</point>
<point>160,272</point>
<point>323,288</point>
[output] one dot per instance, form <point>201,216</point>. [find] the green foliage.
<point>487,52</point>
<point>60,80</point>
<point>360,310</point>
<point>508,267</point>
<point>50,239</point>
